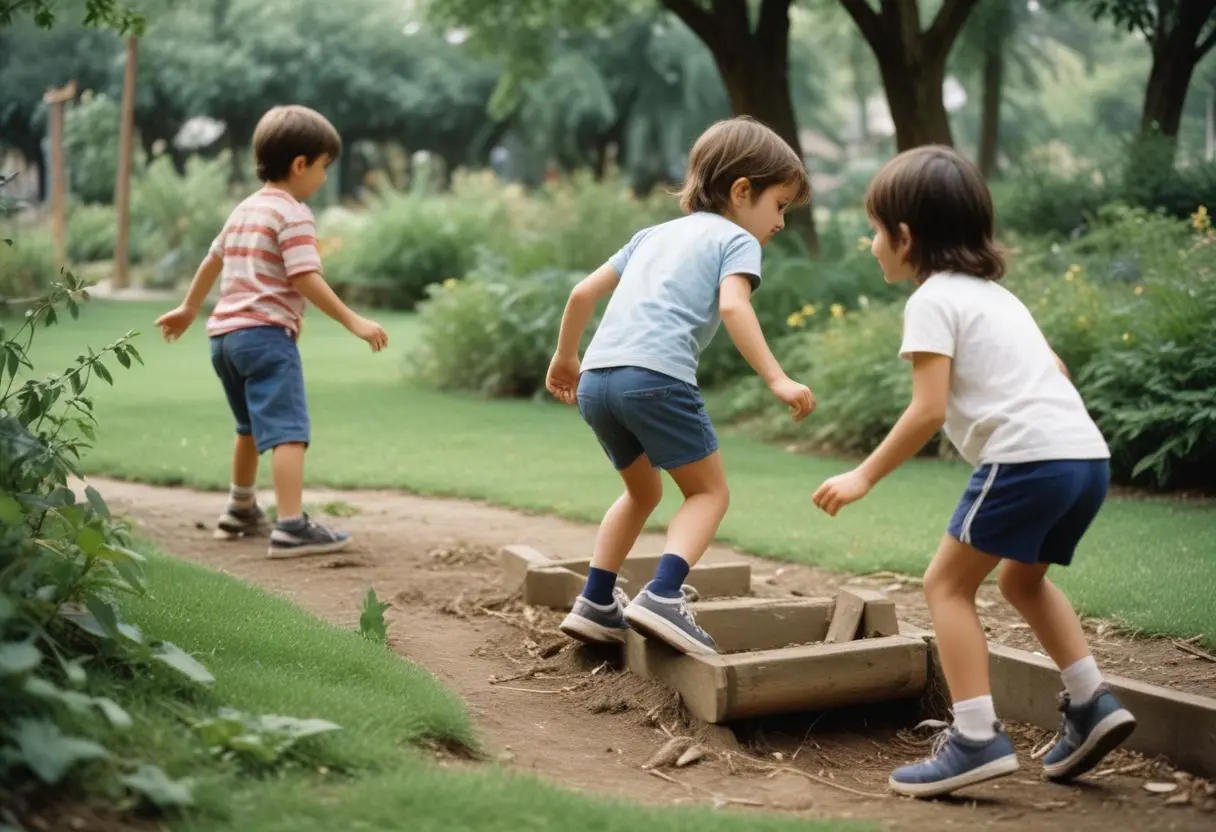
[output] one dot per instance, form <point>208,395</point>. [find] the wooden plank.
<point>846,618</point>
<point>701,681</point>
<point>1179,726</point>
<point>740,624</point>
<point>879,618</point>
<point>825,676</point>
<point>515,562</point>
<point>553,587</point>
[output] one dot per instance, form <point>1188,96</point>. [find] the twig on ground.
<point>823,781</point>
<point>1127,769</point>
<point>719,800</point>
<point>1043,749</point>
<point>1187,647</point>
<point>566,689</point>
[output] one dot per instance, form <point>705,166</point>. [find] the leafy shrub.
<point>91,232</point>
<point>179,216</point>
<point>62,564</point>
<point>90,139</point>
<point>1153,389</point>
<point>405,243</point>
<point>25,267</point>
<point>492,334</point>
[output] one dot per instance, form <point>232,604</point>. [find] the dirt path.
<point>435,560</point>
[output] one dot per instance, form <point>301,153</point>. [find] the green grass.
<point>270,657</point>
<point>1150,564</point>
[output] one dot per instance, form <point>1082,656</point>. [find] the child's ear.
<point>905,239</point>
<point>299,165</point>
<point>741,191</point>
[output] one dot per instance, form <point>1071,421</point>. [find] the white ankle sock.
<point>1081,680</point>
<point>242,496</point>
<point>976,718</point>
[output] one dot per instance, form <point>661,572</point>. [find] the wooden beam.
<point>741,624</point>
<point>122,188</point>
<point>56,97</point>
<point>846,618</point>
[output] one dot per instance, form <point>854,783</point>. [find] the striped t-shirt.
<point>268,239</point>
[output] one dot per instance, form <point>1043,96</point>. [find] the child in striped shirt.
<point>270,266</point>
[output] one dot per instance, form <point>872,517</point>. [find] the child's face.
<point>891,254</point>
<point>307,179</point>
<point>763,216</point>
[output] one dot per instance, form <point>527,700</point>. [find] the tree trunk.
<point>990,116</point>
<point>1176,53</point>
<point>1209,126</point>
<point>914,96</point>
<point>755,71</point>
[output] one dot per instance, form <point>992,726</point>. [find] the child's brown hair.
<point>740,148</point>
<point>945,202</point>
<point>286,132</point>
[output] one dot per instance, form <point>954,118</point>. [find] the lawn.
<point>1149,563</point>
<point>271,657</point>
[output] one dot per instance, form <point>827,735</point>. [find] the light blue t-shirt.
<point>665,309</point>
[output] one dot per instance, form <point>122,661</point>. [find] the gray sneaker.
<point>669,620</point>
<point>595,624</point>
<point>309,539</point>
<point>236,523</point>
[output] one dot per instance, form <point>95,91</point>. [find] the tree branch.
<point>946,26</point>
<point>1207,43</point>
<point>732,15</point>
<point>867,21</point>
<point>700,21</point>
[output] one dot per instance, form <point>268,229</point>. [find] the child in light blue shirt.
<point>671,287</point>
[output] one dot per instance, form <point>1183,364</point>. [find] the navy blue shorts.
<point>1032,512</point>
<point>263,378</point>
<point>634,411</point>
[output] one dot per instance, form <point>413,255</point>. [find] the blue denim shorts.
<point>1033,512</point>
<point>634,411</point>
<point>263,378</point>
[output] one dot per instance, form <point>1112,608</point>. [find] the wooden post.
<point>56,98</point>
<point>122,188</point>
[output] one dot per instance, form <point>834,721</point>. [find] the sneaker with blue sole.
<point>669,620</point>
<point>955,763</point>
<point>593,623</point>
<point>1088,732</point>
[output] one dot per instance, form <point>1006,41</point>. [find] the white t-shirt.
<point>1008,402</point>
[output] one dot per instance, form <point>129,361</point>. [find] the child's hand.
<point>173,324</point>
<point>798,396</point>
<point>839,491</point>
<point>562,380</point>
<point>369,331</point>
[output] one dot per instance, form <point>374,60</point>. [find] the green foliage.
<point>176,218</point>
<point>100,13</point>
<point>25,267</point>
<point>63,564</point>
<point>90,141</point>
<point>91,234</point>
<point>257,741</point>
<point>372,625</point>
<point>491,334</point>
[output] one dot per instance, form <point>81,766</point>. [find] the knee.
<point>941,584</point>
<point>647,498</point>
<point>1018,587</point>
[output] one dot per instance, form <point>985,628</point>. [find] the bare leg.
<point>706,499</point>
<point>1046,609</point>
<point>623,522</point>
<point>289,479</point>
<point>244,462</point>
<point>950,586</point>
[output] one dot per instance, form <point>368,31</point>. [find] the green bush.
<point>91,232</point>
<point>27,266</point>
<point>403,244</point>
<point>491,334</point>
<point>90,142</point>
<point>180,216</point>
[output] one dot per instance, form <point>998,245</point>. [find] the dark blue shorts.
<point>1032,512</point>
<point>635,411</point>
<point>264,380</point>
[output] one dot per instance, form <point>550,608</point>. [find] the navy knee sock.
<point>600,583</point>
<point>669,577</point>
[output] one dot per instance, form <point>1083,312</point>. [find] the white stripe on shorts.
<point>965,536</point>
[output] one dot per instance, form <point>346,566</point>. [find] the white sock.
<point>976,718</point>
<point>1081,680</point>
<point>242,496</point>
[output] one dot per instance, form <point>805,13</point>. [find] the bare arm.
<point>317,292</point>
<point>922,418</point>
<point>208,271</point>
<point>739,318</point>
<point>581,306</point>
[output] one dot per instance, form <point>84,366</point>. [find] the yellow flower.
<point>837,310</point>
<point>1127,337</point>
<point>864,243</point>
<point>809,310</point>
<point>794,320</point>
<point>1200,220</point>
<point>1082,320</point>
<point>1138,291</point>
<point>450,283</point>
<point>1072,272</point>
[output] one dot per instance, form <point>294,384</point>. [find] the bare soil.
<point>571,715</point>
